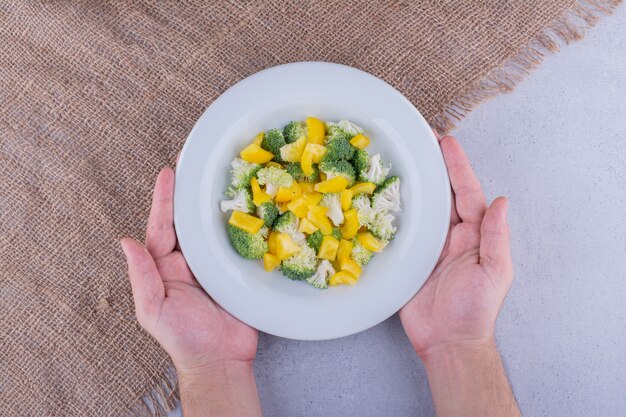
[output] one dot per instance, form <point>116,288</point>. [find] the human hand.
<point>198,334</point>
<point>458,305</point>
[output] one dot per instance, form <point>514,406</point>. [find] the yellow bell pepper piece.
<point>270,262</point>
<point>312,153</point>
<point>315,130</point>
<point>360,141</point>
<point>348,264</point>
<point>307,187</point>
<point>258,195</point>
<point>328,248</point>
<point>258,139</point>
<point>346,199</point>
<point>282,207</point>
<point>317,216</point>
<point>363,188</point>
<point>254,153</point>
<point>313,198</point>
<point>333,185</point>
<point>245,222</point>
<point>285,194</point>
<point>285,246</point>
<point>344,250</point>
<point>299,207</point>
<point>318,152</point>
<point>306,226</point>
<point>342,277</point>
<point>271,242</point>
<point>370,243</point>
<point>350,225</point>
<point>274,164</point>
<point>292,152</point>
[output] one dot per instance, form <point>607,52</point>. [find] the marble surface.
<point>556,147</point>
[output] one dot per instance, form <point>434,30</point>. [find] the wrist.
<point>214,372</point>
<point>457,349</point>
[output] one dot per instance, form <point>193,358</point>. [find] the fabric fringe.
<point>568,27</point>
<point>160,399</point>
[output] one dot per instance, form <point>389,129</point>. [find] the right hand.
<point>458,305</point>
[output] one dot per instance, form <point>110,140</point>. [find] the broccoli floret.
<point>268,212</point>
<point>375,172</point>
<point>273,178</point>
<point>314,240</point>
<point>295,170</point>
<point>382,226</point>
<point>333,132</point>
<point>288,223</point>
<point>241,200</point>
<point>333,202</point>
<point>361,161</point>
<point>272,141</point>
<point>387,195</point>
<point>360,255</point>
<point>248,245</point>
<point>300,266</point>
<point>242,172</point>
<point>350,128</point>
<point>339,149</point>
<point>320,279</point>
<point>294,131</point>
<point>364,210</point>
<point>336,168</point>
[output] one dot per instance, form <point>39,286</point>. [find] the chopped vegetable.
<point>324,271</point>
<point>270,262</point>
<point>387,195</point>
<point>272,141</point>
<point>333,202</point>
<point>328,248</point>
<point>245,221</point>
<point>248,245</point>
<point>341,278</point>
<point>255,154</point>
<point>241,200</point>
<point>294,131</point>
<point>315,130</point>
<point>360,141</point>
<point>338,168</point>
<point>268,212</point>
<point>273,178</point>
<point>300,266</point>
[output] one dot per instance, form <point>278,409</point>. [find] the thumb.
<point>145,280</point>
<point>495,248</point>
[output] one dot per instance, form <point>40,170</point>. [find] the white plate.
<point>271,98</point>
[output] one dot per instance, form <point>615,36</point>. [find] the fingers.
<point>470,200</point>
<point>160,235</point>
<point>148,291</point>
<point>495,248</point>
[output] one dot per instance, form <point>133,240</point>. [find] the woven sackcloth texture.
<point>96,96</point>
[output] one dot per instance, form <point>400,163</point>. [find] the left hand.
<point>170,304</point>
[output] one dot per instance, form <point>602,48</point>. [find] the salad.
<point>310,200</point>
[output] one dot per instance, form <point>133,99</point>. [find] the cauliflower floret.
<point>349,127</point>
<point>242,172</point>
<point>324,271</point>
<point>364,210</point>
<point>273,178</point>
<point>387,195</point>
<point>382,226</point>
<point>333,202</point>
<point>376,172</point>
<point>241,201</point>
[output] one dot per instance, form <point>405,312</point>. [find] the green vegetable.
<point>241,200</point>
<point>295,169</point>
<point>375,172</point>
<point>300,266</point>
<point>382,226</point>
<point>339,167</point>
<point>387,195</point>
<point>320,279</point>
<point>274,178</point>
<point>248,245</point>
<point>361,161</point>
<point>294,130</point>
<point>360,255</point>
<point>339,149</point>
<point>268,212</point>
<point>288,223</point>
<point>364,210</point>
<point>333,202</point>
<point>272,141</point>
<point>333,132</point>
<point>314,240</point>
<point>242,172</point>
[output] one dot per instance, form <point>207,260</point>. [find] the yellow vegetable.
<point>318,152</point>
<point>363,188</point>
<point>271,242</point>
<point>342,277</point>
<point>315,130</point>
<point>348,264</point>
<point>328,248</point>
<point>274,164</point>
<point>346,199</point>
<point>333,185</point>
<point>258,195</point>
<point>370,243</point>
<point>285,246</point>
<point>317,216</point>
<point>350,225</point>
<point>307,187</point>
<point>282,207</point>
<point>299,207</point>
<point>285,194</point>
<point>313,198</point>
<point>312,153</point>
<point>360,141</point>
<point>306,226</point>
<point>292,152</point>
<point>344,250</point>
<point>270,262</point>
<point>245,222</point>
<point>254,153</point>
<point>258,139</point>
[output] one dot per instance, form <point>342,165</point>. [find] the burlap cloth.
<point>95,97</point>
